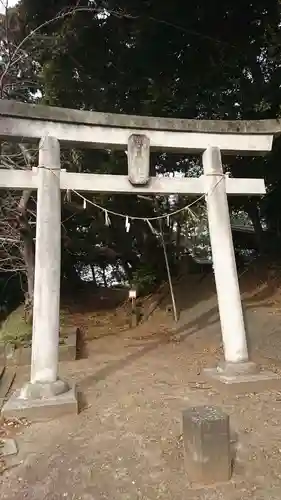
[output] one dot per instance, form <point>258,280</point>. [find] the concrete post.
<point>206,437</point>
<point>228,293</point>
<point>46,311</point>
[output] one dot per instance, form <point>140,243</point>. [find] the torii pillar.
<point>46,396</point>
<point>236,371</point>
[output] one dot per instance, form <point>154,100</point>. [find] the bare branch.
<point>13,59</point>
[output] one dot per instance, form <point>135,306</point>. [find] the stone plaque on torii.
<point>138,135</point>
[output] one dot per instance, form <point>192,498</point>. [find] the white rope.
<point>133,217</point>
<point>159,217</point>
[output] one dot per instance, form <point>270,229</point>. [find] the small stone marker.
<point>206,437</point>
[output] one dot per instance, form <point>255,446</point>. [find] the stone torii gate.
<point>47,395</point>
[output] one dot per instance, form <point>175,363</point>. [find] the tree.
<point>185,60</point>
<point>17,80</point>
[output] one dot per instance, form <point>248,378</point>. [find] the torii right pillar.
<point>236,372</point>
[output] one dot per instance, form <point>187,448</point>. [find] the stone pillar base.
<point>43,390</point>
<point>242,377</point>
<point>39,402</point>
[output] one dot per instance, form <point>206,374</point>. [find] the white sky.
<point>3,4</point>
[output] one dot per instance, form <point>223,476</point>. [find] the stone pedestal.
<point>241,378</point>
<point>206,436</point>
<point>38,404</point>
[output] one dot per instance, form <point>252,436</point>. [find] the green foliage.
<point>144,278</point>
<point>179,59</point>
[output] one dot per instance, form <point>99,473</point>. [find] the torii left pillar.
<point>46,395</point>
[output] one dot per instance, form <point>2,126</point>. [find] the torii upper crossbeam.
<point>28,122</point>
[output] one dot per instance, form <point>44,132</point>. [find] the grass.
<point>16,331</point>
<point>89,312</point>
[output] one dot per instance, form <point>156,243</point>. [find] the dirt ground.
<point>126,442</point>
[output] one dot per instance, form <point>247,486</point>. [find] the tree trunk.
<point>104,277</point>
<point>178,240</point>
<point>29,260</point>
<point>28,252</point>
<point>94,275</point>
<point>254,215</point>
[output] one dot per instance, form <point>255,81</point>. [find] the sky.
<point>3,4</point>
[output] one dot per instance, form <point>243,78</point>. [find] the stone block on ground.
<point>37,410</point>
<point>22,355</point>
<point>68,350</point>
<point>8,447</point>
<point>2,355</point>
<point>206,436</point>
<point>2,370</point>
<point>6,381</point>
<point>2,361</point>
